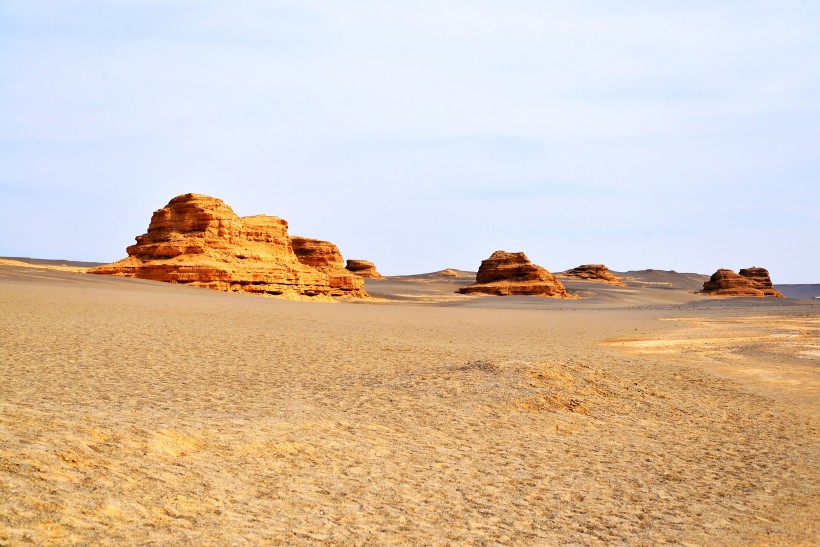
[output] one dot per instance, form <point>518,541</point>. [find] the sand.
<point>135,412</point>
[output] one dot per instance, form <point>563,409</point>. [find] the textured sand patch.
<point>132,412</point>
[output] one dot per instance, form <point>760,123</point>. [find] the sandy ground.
<point>134,412</point>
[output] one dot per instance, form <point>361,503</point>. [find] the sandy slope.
<point>138,412</point>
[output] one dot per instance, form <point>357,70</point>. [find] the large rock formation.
<point>748,282</point>
<point>594,272</point>
<point>512,273</point>
<point>198,240</point>
<point>363,268</point>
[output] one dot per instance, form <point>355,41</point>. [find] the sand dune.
<point>61,265</point>
<point>138,412</point>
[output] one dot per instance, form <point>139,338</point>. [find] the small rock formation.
<point>449,272</point>
<point>198,240</point>
<point>748,282</point>
<point>325,257</point>
<point>762,281</point>
<point>363,268</point>
<point>594,272</point>
<point>322,255</point>
<point>512,273</point>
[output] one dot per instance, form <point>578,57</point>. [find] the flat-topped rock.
<point>748,282</point>
<point>594,272</point>
<point>198,240</point>
<point>363,268</point>
<point>513,274</point>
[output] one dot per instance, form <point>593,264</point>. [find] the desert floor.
<point>139,412</point>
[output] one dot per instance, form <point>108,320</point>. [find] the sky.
<point>423,135</point>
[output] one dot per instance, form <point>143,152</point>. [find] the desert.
<point>409,273</point>
<point>139,412</point>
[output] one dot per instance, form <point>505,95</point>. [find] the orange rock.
<point>749,282</point>
<point>325,257</point>
<point>762,281</point>
<point>322,255</point>
<point>363,268</point>
<point>595,272</point>
<point>512,273</point>
<point>198,240</point>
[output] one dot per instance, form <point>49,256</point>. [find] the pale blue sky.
<point>423,135</point>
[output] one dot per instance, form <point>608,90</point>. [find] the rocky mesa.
<point>748,282</point>
<point>594,272</point>
<point>513,274</point>
<point>198,240</point>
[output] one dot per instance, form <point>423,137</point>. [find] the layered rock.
<point>513,274</point>
<point>748,282</point>
<point>198,240</point>
<point>761,280</point>
<point>322,255</point>
<point>363,268</point>
<point>595,272</point>
<point>325,257</point>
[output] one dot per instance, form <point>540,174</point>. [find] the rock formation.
<point>198,240</point>
<point>363,268</point>
<point>322,255</point>
<point>448,272</point>
<point>594,272</point>
<point>748,282</point>
<point>512,273</point>
<point>762,281</point>
<point>325,257</point>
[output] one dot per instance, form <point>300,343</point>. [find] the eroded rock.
<point>594,272</point>
<point>748,282</point>
<point>325,257</point>
<point>198,240</point>
<point>513,274</point>
<point>363,268</point>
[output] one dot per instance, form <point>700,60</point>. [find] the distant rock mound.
<point>594,272</point>
<point>448,272</point>
<point>363,268</point>
<point>665,279</point>
<point>748,282</point>
<point>198,240</point>
<point>513,274</point>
